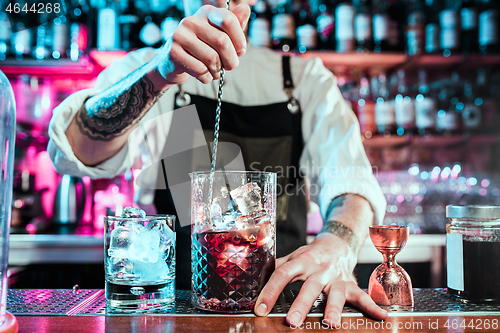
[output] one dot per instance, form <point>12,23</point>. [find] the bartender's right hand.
<point>211,38</point>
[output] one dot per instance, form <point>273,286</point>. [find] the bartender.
<point>304,123</point>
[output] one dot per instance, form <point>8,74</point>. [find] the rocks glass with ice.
<point>139,260</point>
<point>232,238</point>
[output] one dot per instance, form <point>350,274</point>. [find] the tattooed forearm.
<point>341,231</point>
<point>109,116</point>
<point>348,217</point>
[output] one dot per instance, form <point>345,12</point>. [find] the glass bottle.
<point>381,25</point>
<point>283,31</point>
<point>425,107</point>
<point>81,24</point>
<point>5,35</point>
<point>432,27</point>
<point>397,25</point>
<point>259,32</point>
<point>469,23</point>
<point>384,109</point>
<point>404,107</point>
<point>449,116</point>
<point>450,28</point>
<point>7,134</point>
<point>366,108</point>
<point>471,115</point>
<point>307,32</point>
<point>128,21</point>
<point>363,26</point>
<point>344,27</point>
<point>489,27</point>
<point>415,30</point>
<point>108,33</point>
<point>43,39</point>
<point>326,25</point>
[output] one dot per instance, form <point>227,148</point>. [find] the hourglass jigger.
<point>389,283</point>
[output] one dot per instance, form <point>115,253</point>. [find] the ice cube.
<point>234,254</point>
<point>216,211</point>
<point>131,225</point>
<point>247,198</point>
<point>167,236</point>
<point>122,239</point>
<point>151,271</point>
<point>146,246</point>
<point>120,268</point>
<point>131,212</point>
<point>265,233</point>
<point>260,217</point>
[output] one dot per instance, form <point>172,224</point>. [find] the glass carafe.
<point>7,135</point>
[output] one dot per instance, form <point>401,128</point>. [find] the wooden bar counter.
<point>236,324</point>
<point>62,310</point>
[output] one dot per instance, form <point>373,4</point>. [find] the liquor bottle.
<point>380,25</point>
<point>21,41</point>
<point>344,27</point>
<point>171,22</point>
<point>366,108</point>
<point>128,21</point>
<point>404,107</point>
<point>450,28</point>
<point>307,32</point>
<point>432,26</point>
<point>469,23</point>
<point>283,31</point>
<point>384,108</point>
<point>483,100</point>
<point>425,107</point>
<point>108,33</point>
<point>259,32</point>
<point>471,115</point>
<point>415,31</point>
<point>449,116</point>
<point>326,25</point>
<point>397,25</point>
<point>61,34</point>
<point>363,26</point>
<point>5,35</point>
<point>488,27</point>
<point>43,39</point>
<point>81,23</point>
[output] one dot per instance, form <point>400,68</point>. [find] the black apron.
<point>270,135</point>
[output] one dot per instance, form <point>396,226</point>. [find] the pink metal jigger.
<point>389,283</point>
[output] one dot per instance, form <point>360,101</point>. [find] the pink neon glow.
<point>400,198</point>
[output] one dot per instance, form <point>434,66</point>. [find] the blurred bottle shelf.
<point>96,61</point>
<point>381,141</point>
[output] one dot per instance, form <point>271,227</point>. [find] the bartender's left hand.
<point>323,270</point>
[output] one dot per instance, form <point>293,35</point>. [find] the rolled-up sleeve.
<point>334,158</point>
<point>59,148</point>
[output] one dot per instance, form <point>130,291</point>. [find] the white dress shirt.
<point>333,158</point>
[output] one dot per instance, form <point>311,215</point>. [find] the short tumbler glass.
<point>233,217</point>
<point>139,262</point>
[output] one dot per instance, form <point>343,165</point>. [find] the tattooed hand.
<point>199,47</point>
<point>203,42</point>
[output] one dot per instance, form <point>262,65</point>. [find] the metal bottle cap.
<point>473,211</point>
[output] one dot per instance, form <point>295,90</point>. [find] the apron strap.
<point>287,73</point>
<point>293,105</point>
